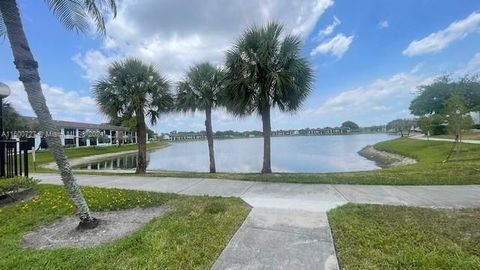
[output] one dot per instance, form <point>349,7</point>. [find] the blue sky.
<point>368,56</point>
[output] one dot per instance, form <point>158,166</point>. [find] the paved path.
<point>423,137</point>
<point>287,227</point>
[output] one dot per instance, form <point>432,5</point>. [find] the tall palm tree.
<point>74,15</point>
<point>200,91</point>
<point>133,89</point>
<point>264,69</point>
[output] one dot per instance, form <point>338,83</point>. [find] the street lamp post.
<point>4,92</point>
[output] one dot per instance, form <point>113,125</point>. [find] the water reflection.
<point>289,154</point>
<point>124,162</point>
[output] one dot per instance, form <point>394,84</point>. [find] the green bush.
<point>439,130</point>
<point>15,183</point>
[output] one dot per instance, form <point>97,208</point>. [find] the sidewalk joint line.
<point>339,192</point>
<point>285,231</point>
<point>198,182</point>
<point>248,188</point>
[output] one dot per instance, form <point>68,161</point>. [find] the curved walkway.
<point>424,138</point>
<point>288,226</point>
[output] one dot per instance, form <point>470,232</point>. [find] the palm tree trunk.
<point>29,76</point>
<point>267,133</point>
<point>208,126</point>
<point>142,142</point>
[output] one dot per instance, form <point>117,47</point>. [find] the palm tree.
<point>74,15</point>
<point>200,91</point>
<point>264,69</point>
<point>134,90</point>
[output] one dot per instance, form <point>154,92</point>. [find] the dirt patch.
<point>113,225</point>
<point>385,159</point>
<point>23,194</point>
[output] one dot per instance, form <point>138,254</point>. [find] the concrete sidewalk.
<point>287,227</point>
<point>280,239</point>
<point>307,197</point>
<point>424,138</point>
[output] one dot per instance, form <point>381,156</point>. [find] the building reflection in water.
<point>125,162</point>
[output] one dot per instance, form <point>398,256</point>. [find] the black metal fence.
<point>13,158</point>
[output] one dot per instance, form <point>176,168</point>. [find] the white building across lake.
<point>76,134</point>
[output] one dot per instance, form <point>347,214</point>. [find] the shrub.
<point>439,130</point>
<point>15,183</point>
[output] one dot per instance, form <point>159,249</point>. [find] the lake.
<point>289,154</point>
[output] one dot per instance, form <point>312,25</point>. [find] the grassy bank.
<point>394,237</point>
<point>44,156</point>
<point>429,170</point>
<point>190,236</point>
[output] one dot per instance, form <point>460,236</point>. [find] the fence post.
<point>15,157</point>
<point>2,158</point>
<point>25,160</point>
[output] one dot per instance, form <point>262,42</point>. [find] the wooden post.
<point>25,160</point>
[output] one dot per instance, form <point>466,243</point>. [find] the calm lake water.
<point>289,154</point>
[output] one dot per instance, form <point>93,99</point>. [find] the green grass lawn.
<point>190,236</point>
<point>44,156</point>
<point>396,237</point>
<point>429,170</point>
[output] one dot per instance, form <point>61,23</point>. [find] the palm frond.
<point>94,10</point>
<point>200,89</point>
<point>132,87</point>
<point>70,13</point>
<point>265,69</point>
<point>75,14</point>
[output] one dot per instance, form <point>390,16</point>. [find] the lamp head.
<point>4,90</point>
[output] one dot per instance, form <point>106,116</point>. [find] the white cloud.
<point>377,101</point>
<point>175,34</point>
<point>365,97</point>
<point>94,64</point>
<point>380,108</point>
<point>63,104</point>
<point>437,41</point>
<point>329,28</point>
<point>472,67</point>
<point>336,46</point>
<point>383,24</point>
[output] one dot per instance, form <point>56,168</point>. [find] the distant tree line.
<point>348,125</point>
<point>401,126</point>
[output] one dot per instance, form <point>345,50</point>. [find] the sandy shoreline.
<point>385,159</point>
